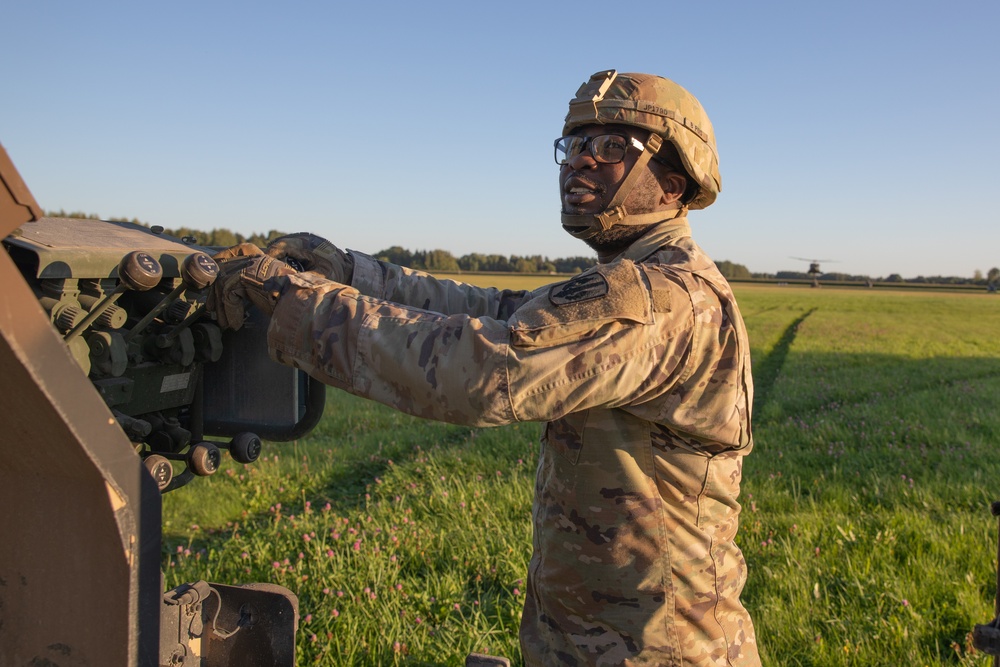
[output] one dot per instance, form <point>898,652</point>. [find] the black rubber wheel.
<point>245,447</point>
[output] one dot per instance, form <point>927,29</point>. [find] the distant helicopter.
<point>814,269</point>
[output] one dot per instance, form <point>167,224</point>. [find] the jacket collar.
<point>664,233</point>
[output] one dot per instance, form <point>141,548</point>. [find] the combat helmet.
<point>664,108</point>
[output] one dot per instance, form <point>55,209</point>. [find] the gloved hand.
<point>314,253</point>
<point>245,274</point>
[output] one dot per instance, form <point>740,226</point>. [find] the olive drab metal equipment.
<point>113,379</point>
<point>986,637</point>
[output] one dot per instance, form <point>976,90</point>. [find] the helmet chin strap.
<point>586,226</point>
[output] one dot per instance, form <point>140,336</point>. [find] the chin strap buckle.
<point>609,219</point>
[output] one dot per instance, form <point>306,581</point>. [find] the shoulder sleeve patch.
<point>611,293</point>
<point>582,288</point>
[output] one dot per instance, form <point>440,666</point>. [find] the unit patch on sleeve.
<point>583,288</point>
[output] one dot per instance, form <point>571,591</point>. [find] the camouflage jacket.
<point>640,368</point>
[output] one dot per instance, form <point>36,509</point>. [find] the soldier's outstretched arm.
<point>383,280</point>
<point>398,284</point>
<point>559,353</point>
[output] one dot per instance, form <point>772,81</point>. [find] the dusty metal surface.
<point>85,248</point>
<point>17,204</point>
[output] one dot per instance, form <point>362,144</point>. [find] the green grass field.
<point>865,522</point>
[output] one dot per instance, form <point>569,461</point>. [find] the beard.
<point>614,241</point>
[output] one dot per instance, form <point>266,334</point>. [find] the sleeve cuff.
<point>368,277</point>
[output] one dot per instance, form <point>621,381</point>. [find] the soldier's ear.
<point>673,184</point>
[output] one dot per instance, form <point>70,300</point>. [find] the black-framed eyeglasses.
<point>604,148</point>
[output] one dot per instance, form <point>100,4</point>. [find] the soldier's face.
<point>587,186</point>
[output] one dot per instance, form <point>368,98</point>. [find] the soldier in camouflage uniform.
<point>639,368</point>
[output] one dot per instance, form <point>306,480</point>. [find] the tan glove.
<point>313,253</point>
<point>245,274</point>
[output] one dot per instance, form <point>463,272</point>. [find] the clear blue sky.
<point>862,132</point>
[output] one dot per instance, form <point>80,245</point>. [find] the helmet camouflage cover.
<point>660,106</point>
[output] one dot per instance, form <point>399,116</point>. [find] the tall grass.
<point>865,504</point>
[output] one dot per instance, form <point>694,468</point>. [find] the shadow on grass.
<point>767,370</point>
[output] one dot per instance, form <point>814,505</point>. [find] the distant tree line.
<point>444,261</point>
<point>992,278</point>
<point>223,238</point>
<point>733,271</point>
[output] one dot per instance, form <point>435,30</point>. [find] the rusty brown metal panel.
<point>67,574</point>
<point>72,591</point>
<point>17,204</point>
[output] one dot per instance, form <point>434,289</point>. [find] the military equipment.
<point>118,388</point>
<point>986,637</point>
<point>814,271</point>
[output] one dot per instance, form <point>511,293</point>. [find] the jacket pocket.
<point>565,435</point>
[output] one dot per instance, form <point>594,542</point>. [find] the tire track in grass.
<point>767,371</point>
